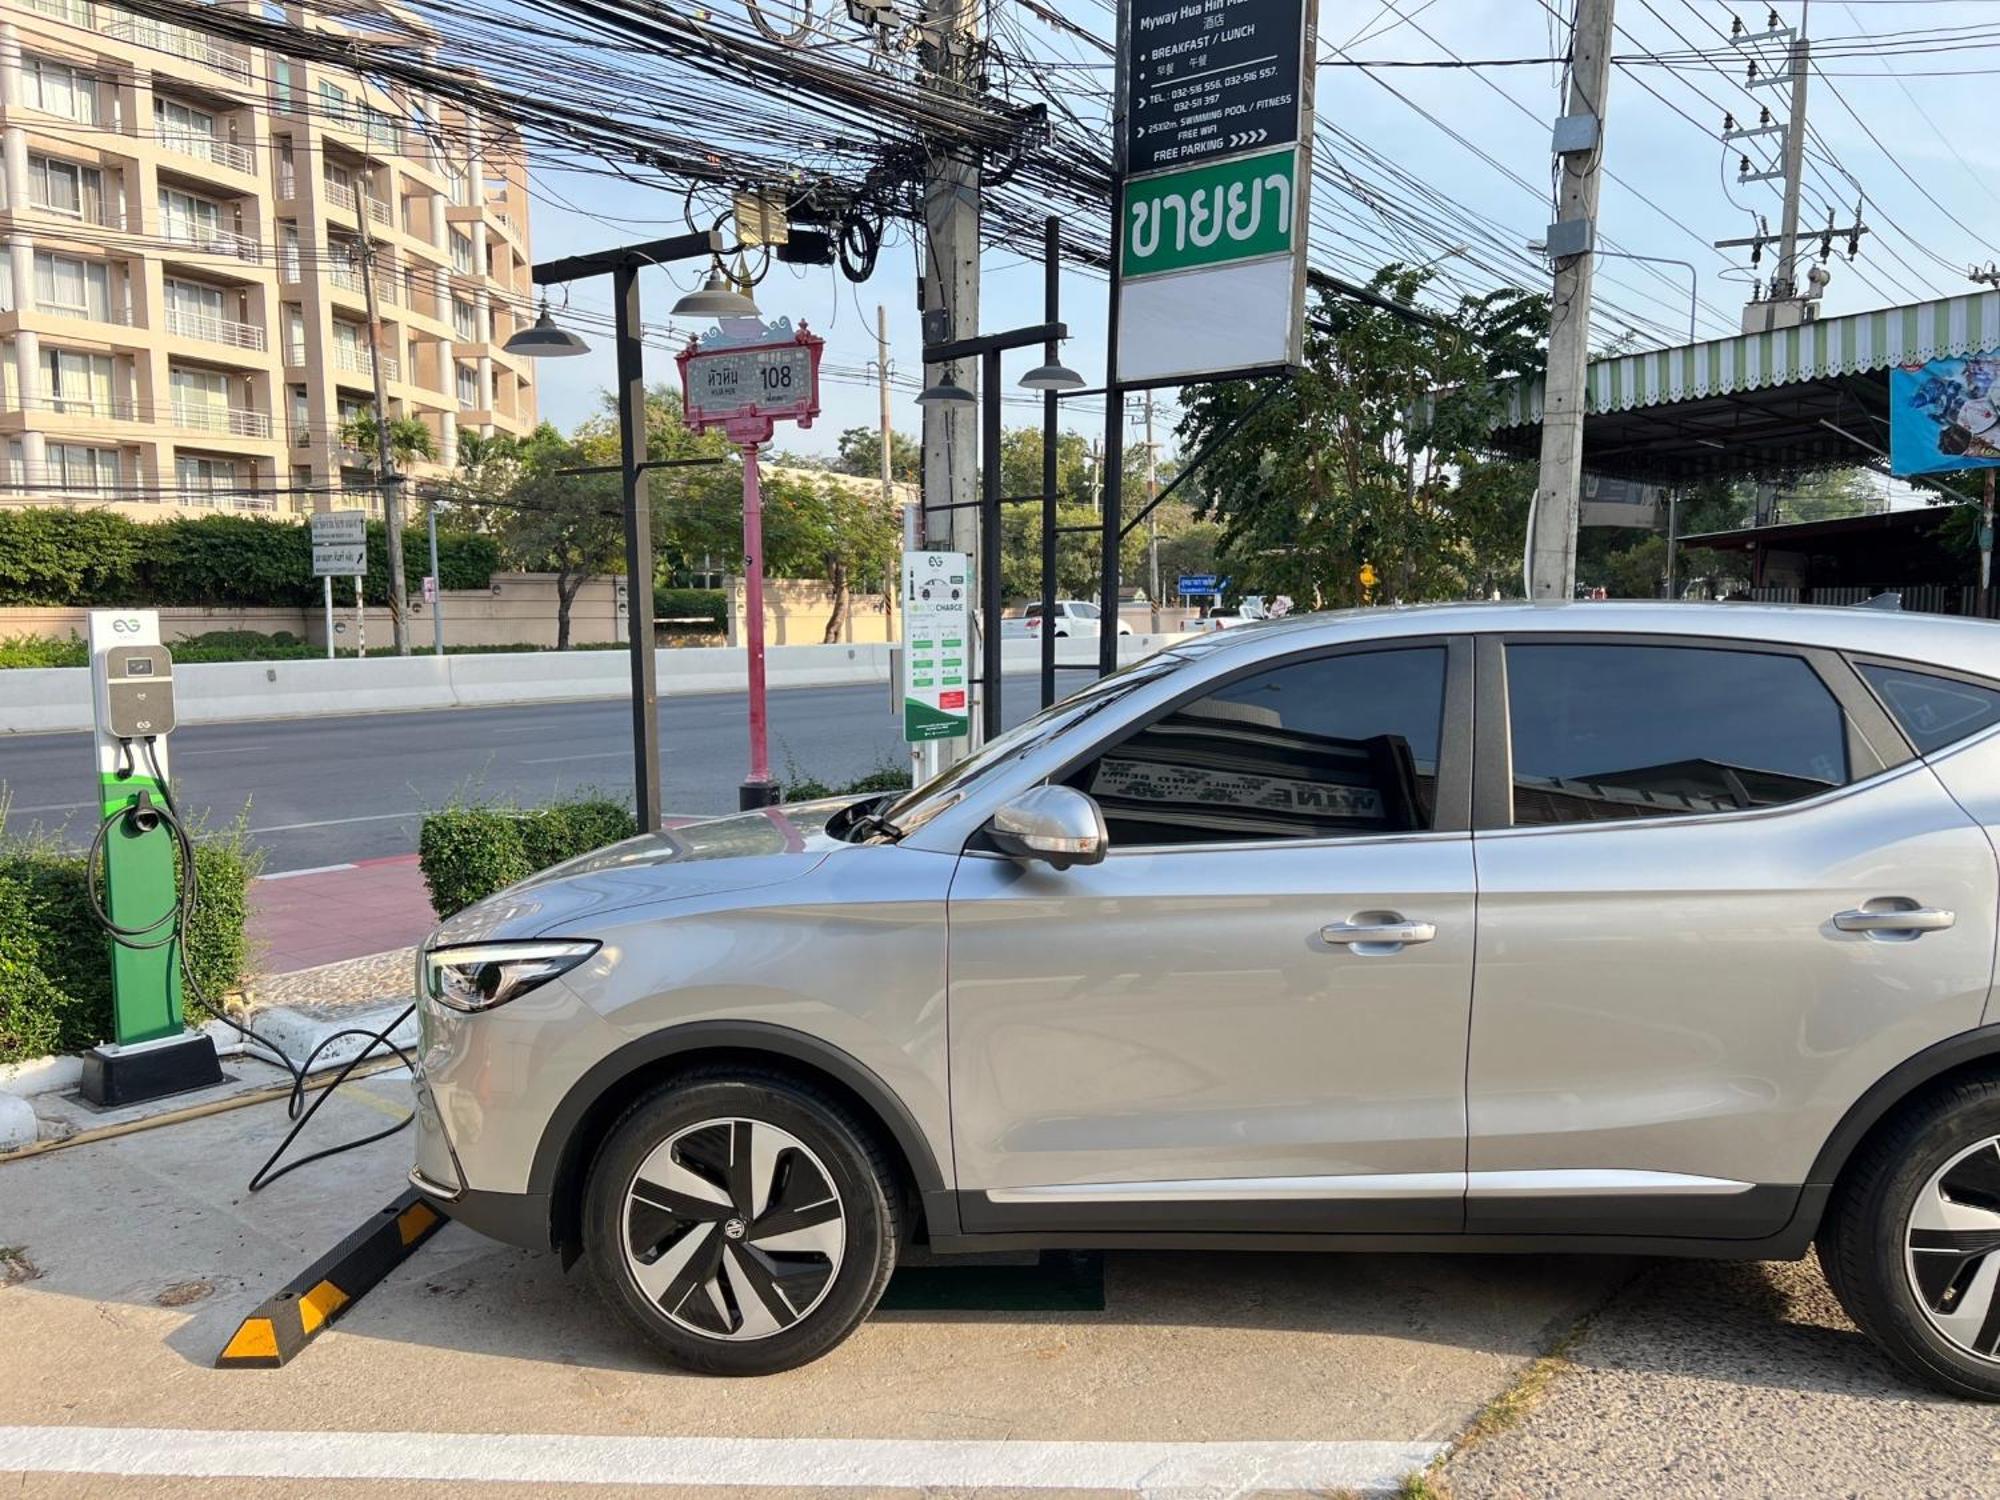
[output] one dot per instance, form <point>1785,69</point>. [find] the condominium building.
<point>183,314</point>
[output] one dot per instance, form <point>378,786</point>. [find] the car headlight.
<point>479,976</point>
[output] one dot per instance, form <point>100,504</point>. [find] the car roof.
<point>1950,641</point>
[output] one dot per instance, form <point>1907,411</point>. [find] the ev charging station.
<point>147,870</point>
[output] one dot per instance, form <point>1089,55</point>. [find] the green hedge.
<point>884,778</point>
<point>51,556</point>
<point>467,853</point>
<point>707,606</point>
<point>55,962</point>
<point>230,645</point>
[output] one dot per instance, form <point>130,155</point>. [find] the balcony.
<point>207,148</point>
<point>345,198</point>
<point>178,41</point>
<point>102,215</point>
<point>357,361</point>
<point>225,499</point>
<point>211,239</point>
<point>235,421</point>
<point>209,330</point>
<point>114,408</point>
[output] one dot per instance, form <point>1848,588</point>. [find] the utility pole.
<point>882,387</point>
<point>1152,518</point>
<point>392,482</point>
<point>949,297</point>
<point>1579,143</point>
<point>1787,299</point>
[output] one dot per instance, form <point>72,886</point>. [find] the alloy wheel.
<point>734,1229</point>
<point>1953,1250</point>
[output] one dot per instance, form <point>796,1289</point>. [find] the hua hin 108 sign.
<point>752,383</point>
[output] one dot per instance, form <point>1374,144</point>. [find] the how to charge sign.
<point>937,641</point>
<point>1205,77</point>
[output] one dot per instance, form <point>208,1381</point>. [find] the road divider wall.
<point>45,699</point>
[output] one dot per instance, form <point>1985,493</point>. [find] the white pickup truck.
<point>1073,617</point>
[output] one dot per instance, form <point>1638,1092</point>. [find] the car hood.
<point>702,858</point>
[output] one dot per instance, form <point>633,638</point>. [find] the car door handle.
<point>1911,919</point>
<point>1387,930</point>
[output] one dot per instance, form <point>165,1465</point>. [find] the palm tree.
<point>409,438</point>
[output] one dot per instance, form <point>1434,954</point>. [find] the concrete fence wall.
<point>41,700</point>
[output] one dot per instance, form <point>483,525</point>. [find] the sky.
<point>1479,139</point>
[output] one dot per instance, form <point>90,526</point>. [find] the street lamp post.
<point>543,340</point>
<point>1049,377</point>
<point>1541,247</point>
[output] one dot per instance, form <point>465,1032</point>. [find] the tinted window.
<point>1934,711</point>
<point>1339,745</point>
<point>1610,732</point>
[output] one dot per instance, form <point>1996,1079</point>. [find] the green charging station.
<point>138,859</point>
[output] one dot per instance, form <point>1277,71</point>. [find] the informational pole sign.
<point>1198,585</point>
<point>1214,158</point>
<point>937,646</point>
<point>1207,77</point>
<point>340,544</point>
<point>776,381</point>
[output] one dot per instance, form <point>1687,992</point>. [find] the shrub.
<point>467,853</point>
<point>884,778</point>
<point>568,829</point>
<point>44,651</point>
<point>55,961</point>
<point>694,611</point>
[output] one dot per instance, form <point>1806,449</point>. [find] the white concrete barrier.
<point>45,699</point>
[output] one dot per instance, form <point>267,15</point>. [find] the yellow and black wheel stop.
<point>294,1317</point>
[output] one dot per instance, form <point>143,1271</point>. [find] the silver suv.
<point>1664,929</point>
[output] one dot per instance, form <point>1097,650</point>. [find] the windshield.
<point>918,807</point>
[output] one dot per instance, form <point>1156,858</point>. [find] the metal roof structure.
<point>1760,404</point>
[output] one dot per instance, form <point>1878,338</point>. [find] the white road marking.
<point>794,1464</point>
<point>309,870</point>
<point>554,760</point>
<point>226,750</point>
<point>415,812</point>
<point>50,807</point>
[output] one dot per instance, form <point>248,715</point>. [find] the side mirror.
<point>1058,824</point>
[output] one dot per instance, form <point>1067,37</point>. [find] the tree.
<point>547,521</point>
<point>1372,453</point>
<point>860,453</point>
<point>409,438</point>
<point>822,528</point>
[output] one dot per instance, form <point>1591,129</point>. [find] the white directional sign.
<point>340,544</point>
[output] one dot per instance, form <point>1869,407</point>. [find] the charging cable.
<point>170,929</point>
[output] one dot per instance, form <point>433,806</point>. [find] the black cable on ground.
<point>170,930</point>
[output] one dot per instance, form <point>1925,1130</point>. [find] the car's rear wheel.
<point>745,1223</point>
<point>1911,1243</point>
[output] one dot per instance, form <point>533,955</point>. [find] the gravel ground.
<point>1712,1378</point>
<point>370,980</point>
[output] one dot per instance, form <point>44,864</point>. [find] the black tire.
<point>723,1289</point>
<point>1900,1280</point>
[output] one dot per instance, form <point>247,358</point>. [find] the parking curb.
<point>292,1318</point>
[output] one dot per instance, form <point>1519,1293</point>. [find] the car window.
<point>1032,611</point>
<point>1609,732</point>
<point>1934,711</point>
<point>1335,745</point>
<point>1082,611</point>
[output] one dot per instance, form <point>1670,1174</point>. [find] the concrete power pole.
<point>1152,518</point>
<point>1579,142</point>
<point>950,300</point>
<point>392,482</point>
<point>1785,285</point>
<point>882,388</point>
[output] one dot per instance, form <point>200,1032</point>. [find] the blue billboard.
<point>1945,415</point>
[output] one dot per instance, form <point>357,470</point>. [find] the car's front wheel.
<point>744,1222</point>
<point>1911,1243</point>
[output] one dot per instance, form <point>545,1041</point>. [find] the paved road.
<point>327,790</point>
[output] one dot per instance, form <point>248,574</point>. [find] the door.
<point>1691,857</point>
<point>1251,1015</point>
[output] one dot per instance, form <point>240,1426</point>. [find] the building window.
<point>177,122</point>
<point>81,470</point>
<point>332,101</point>
<point>189,219</point>
<point>461,252</point>
<point>464,320</point>
<point>66,187</point>
<point>282,79</point>
<point>58,89</point>
<point>288,248</point>
<point>468,387</point>
<point>201,398</point>
<point>295,334</point>
<point>76,382</point>
<point>381,129</point>
<point>201,479</point>
<point>72,287</point>
<point>1608,732</point>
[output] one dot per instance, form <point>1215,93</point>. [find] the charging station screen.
<point>139,666</point>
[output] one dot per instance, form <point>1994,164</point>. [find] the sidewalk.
<point>304,918</point>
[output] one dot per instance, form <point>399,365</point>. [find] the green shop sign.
<point>1204,216</point>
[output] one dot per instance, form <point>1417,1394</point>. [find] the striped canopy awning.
<point>1852,345</point>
